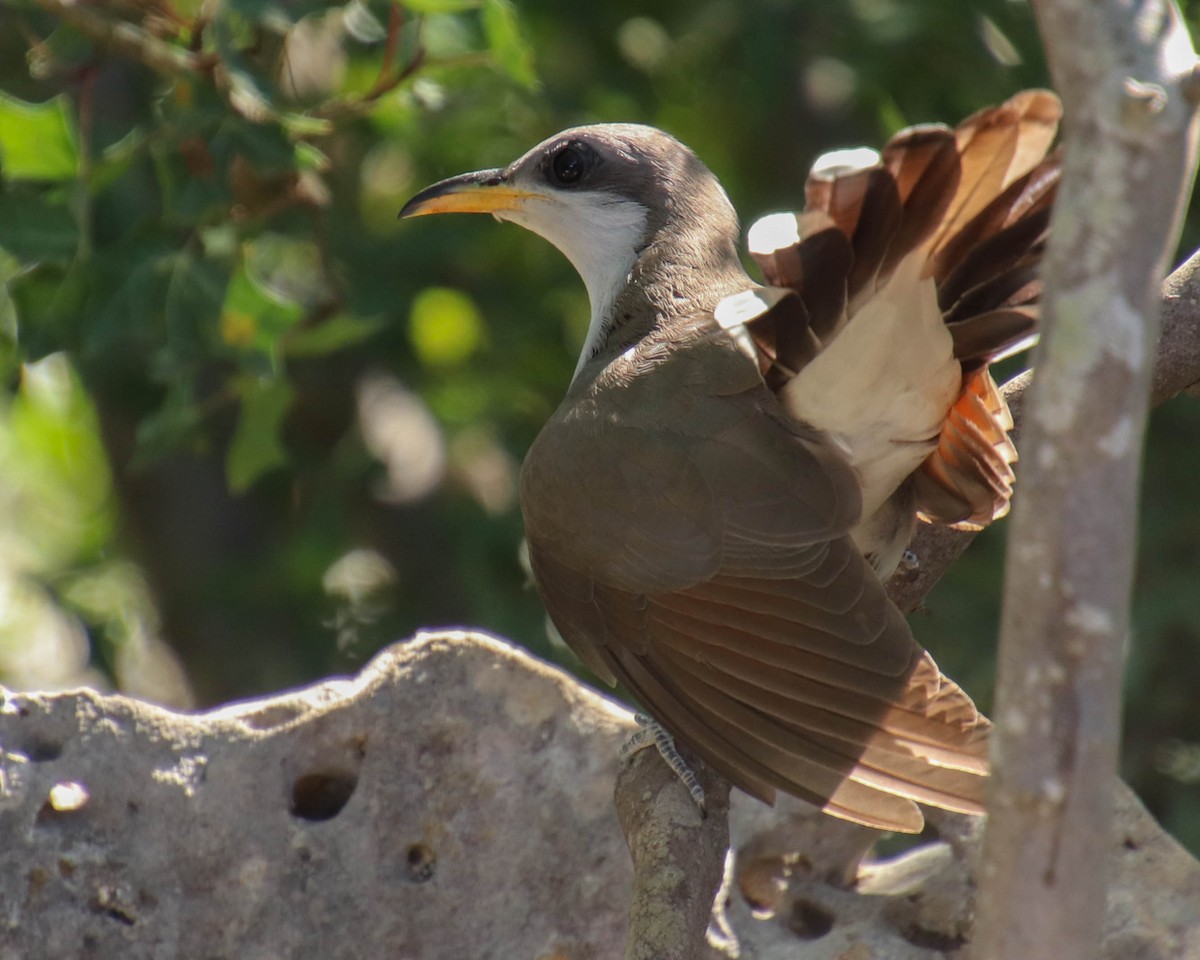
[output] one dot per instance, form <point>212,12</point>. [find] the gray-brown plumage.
<point>735,468</point>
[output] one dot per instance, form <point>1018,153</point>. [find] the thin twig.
<point>128,40</point>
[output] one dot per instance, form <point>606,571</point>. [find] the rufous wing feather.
<point>769,646</point>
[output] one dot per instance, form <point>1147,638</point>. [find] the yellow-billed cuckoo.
<point>736,468</point>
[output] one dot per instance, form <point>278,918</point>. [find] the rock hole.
<point>42,751</point>
<point>115,913</point>
<point>808,921</point>
<point>1130,844</point>
<point>321,795</point>
<point>107,903</point>
<point>762,881</point>
<point>37,879</point>
<point>422,862</point>
<point>933,939</point>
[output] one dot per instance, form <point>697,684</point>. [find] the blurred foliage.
<point>252,428</point>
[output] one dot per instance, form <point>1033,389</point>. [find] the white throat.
<point>601,235</point>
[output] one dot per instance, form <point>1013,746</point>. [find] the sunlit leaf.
<point>505,41</point>
<point>245,91</point>
<point>57,468</point>
<point>362,24</point>
<point>252,317</point>
<point>445,326</point>
<point>37,140</point>
<point>256,446</point>
<point>441,6</point>
<point>300,125</point>
<point>309,157</point>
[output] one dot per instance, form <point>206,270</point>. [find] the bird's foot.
<point>651,732</point>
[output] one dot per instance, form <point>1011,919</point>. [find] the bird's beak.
<point>485,191</point>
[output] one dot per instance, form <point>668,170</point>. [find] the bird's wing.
<point>940,233</point>
<point>712,574</point>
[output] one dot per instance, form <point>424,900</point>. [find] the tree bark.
<point>1125,71</point>
<point>678,855</point>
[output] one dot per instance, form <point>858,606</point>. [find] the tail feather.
<point>973,204</point>
<point>997,146</point>
<point>967,480</point>
<point>984,337</point>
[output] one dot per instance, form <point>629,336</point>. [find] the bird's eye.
<point>568,165</point>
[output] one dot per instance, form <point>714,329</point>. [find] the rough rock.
<point>787,884</point>
<point>452,801</point>
<point>455,801</point>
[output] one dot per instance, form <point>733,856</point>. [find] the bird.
<point>738,466</point>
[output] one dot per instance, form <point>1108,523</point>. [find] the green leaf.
<point>300,125</point>
<point>441,6</point>
<point>37,140</point>
<point>195,297</point>
<point>53,451</point>
<point>505,42</point>
<point>50,303</point>
<point>252,317</point>
<point>277,15</point>
<point>330,335</point>
<point>309,157</point>
<point>245,91</point>
<point>10,353</point>
<point>163,431</point>
<point>127,313</point>
<point>116,160</point>
<point>35,229</point>
<point>265,145</point>
<point>445,326</point>
<point>256,447</point>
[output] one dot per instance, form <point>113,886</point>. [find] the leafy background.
<point>252,428</point>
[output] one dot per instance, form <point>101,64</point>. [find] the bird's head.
<point>644,222</point>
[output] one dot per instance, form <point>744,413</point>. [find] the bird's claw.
<point>650,731</point>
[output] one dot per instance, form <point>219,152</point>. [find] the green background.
<point>252,427</point>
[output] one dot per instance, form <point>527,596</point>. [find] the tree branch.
<point>678,856</point>
<point>127,39</point>
<point>1119,66</point>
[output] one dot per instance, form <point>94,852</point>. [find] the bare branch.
<point>1119,66</point>
<point>678,856</point>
